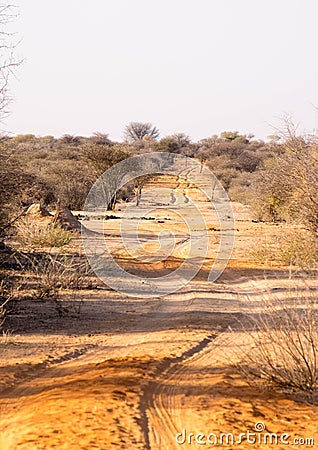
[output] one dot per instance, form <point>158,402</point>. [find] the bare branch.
<point>8,62</point>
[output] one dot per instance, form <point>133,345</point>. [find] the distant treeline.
<point>277,178</point>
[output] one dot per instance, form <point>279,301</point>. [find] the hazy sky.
<point>199,67</point>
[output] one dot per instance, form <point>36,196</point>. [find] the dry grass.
<point>297,248</point>
<point>285,341</point>
<point>54,274</point>
<point>6,296</point>
<point>6,337</point>
<point>41,234</point>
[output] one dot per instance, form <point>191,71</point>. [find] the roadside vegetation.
<point>277,179</point>
<point>284,337</point>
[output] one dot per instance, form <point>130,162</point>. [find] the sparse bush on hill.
<point>70,139</point>
<point>100,139</point>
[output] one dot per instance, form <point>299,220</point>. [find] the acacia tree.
<point>137,131</point>
<point>69,139</point>
<point>139,184</point>
<point>101,158</point>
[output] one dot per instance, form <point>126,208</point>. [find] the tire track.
<point>152,398</point>
<point>181,181</point>
<point>163,399</point>
<point>35,371</point>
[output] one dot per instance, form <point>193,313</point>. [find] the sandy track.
<point>132,373</point>
<point>164,406</point>
<point>179,399</point>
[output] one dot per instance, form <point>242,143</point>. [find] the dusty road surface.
<point>150,373</point>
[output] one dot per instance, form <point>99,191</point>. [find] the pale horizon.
<point>194,67</point>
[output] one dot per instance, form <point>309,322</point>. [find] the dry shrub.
<point>41,234</point>
<point>285,186</point>
<point>6,296</point>
<point>56,273</point>
<point>298,248</point>
<point>284,339</point>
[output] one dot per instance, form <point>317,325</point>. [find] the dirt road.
<point>142,373</point>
